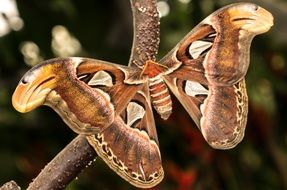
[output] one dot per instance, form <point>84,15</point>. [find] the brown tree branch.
<point>11,185</point>
<point>75,156</point>
<point>65,166</point>
<point>146,31</point>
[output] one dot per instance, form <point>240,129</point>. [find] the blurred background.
<point>32,31</point>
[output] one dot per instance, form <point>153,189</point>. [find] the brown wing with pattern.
<point>207,70</point>
<point>130,145</point>
<point>105,101</point>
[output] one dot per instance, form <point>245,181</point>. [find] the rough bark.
<point>146,31</point>
<point>11,185</point>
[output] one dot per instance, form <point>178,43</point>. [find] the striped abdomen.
<point>160,97</point>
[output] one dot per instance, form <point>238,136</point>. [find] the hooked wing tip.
<point>33,88</point>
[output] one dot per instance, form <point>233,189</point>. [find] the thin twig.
<point>75,156</point>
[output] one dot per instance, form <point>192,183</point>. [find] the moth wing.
<point>218,48</point>
<point>88,94</point>
<point>206,71</point>
<point>214,98</point>
<point>107,102</point>
<point>220,112</point>
<point>96,94</point>
<point>130,145</point>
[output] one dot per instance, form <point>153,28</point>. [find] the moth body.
<point>160,96</point>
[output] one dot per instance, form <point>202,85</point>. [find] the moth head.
<point>250,17</point>
<point>39,81</point>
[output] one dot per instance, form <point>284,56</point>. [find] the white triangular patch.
<point>194,88</point>
<point>134,112</point>
<point>101,78</point>
<point>197,47</point>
